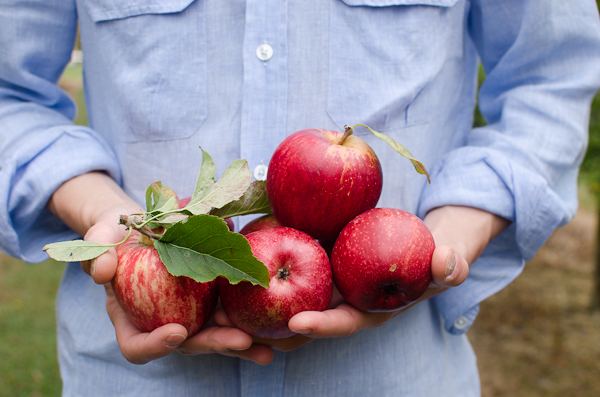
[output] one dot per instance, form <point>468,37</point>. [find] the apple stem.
<point>347,132</point>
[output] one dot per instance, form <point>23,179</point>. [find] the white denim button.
<point>264,52</point>
<point>260,172</point>
<point>461,323</point>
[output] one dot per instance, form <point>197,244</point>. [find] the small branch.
<point>135,222</point>
<point>148,232</point>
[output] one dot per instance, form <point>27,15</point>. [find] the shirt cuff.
<point>32,172</point>
<point>499,264</point>
<point>484,178</point>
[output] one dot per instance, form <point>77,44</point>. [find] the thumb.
<point>141,347</point>
<point>448,267</point>
<point>103,268</point>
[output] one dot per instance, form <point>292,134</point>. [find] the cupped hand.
<point>343,319</point>
<point>141,347</point>
<point>460,233</point>
<point>91,205</point>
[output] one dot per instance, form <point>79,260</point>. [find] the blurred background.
<point>540,336</point>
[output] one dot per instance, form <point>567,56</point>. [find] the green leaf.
<point>76,250</point>
<point>170,220</point>
<point>181,261</point>
<point>202,248</point>
<point>206,176</point>
<point>419,167</point>
<point>254,201</point>
<point>171,203</point>
<point>232,185</point>
<point>160,198</point>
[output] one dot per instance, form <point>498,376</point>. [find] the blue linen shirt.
<point>162,78</point>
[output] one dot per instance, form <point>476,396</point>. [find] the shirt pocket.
<point>384,53</point>
<point>152,56</point>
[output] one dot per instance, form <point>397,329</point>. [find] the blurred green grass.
<point>71,81</point>
<point>29,363</point>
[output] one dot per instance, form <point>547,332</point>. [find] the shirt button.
<point>461,323</point>
<point>264,52</point>
<point>260,172</point>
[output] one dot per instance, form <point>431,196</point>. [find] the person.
<point>237,77</point>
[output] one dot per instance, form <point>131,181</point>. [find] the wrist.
<point>84,200</point>
<point>466,230</point>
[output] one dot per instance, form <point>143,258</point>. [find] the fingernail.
<point>450,263</point>
<point>303,331</point>
<point>93,267</point>
<point>174,340</point>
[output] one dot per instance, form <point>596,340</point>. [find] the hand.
<point>460,233</point>
<point>141,347</point>
<point>91,204</point>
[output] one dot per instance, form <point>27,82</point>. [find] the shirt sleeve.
<point>541,60</point>
<point>40,147</point>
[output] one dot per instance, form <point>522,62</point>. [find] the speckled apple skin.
<point>260,223</point>
<point>317,186</point>
<point>381,261</point>
<point>265,312</point>
<point>152,297</point>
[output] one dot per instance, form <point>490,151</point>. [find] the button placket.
<point>264,107</point>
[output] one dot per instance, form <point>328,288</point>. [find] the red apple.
<point>316,185</point>
<point>300,281</point>
<point>381,261</point>
<point>261,223</point>
<point>185,201</point>
<point>152,297</point>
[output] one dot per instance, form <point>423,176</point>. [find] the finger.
<point>222,319</point>
<point>142,347</point>
<point>448,268</point>
<point>259,354</point>
<point>103,268</point>
<point>216,340</point>
<point>342,321</point>
<point>228,341</point>
<point>285,344</point>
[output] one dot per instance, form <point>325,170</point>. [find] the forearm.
<point>81,201</point>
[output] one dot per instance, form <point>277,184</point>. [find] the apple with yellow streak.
<point>261,223</point>
<point>319,180</point>
<point>152,297</point>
